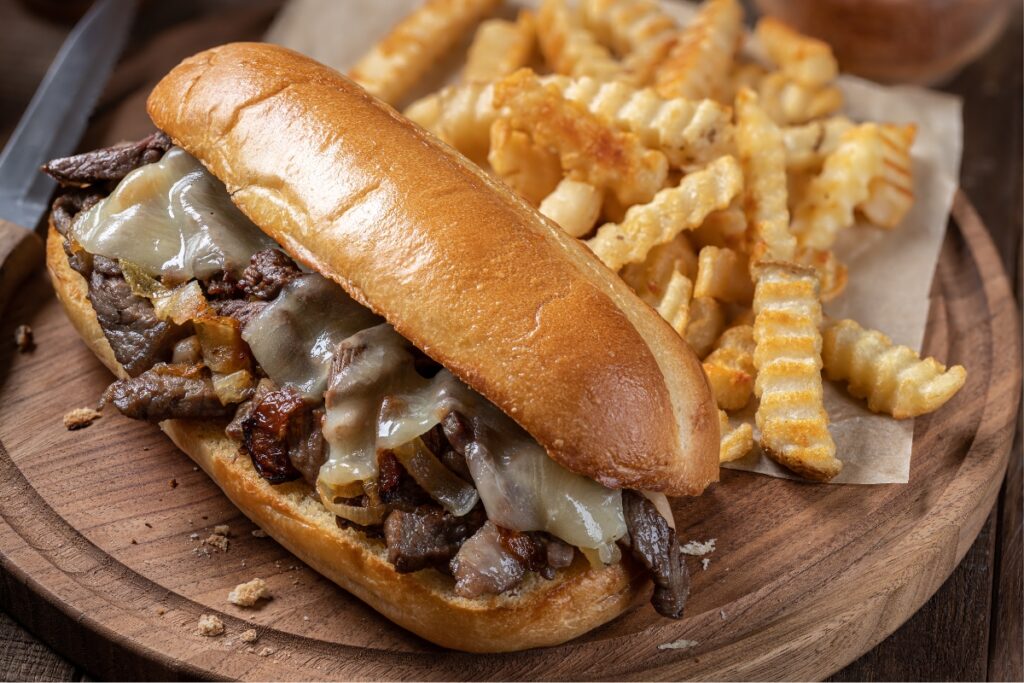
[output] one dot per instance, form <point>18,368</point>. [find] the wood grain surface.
<point>101,535</point>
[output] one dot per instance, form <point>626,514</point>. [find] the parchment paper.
<point>890,271</point>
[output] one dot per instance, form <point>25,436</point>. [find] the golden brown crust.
<point>542,613</point>
<point>459,265</point>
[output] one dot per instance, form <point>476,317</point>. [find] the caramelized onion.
<point>454,495</point>
<point>181,304</point>
<point>370,515</point>
<point>234,387</point>
<point>222,345</point>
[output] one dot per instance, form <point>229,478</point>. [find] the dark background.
<point>971,628</point>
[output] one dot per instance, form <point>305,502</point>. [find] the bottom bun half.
<point>540,613</point>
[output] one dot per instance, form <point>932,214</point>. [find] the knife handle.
<point>21,253</point>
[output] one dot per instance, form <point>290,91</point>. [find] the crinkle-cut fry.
<point>843,183</point>
<point>808,144</point>
<point>743,74</point>
<point>571,49</point>
<point>672,211</point>
<point>651,279</point>
<point>725,228</point>
<point>628,25</point>
<point>500,47</point>
<point>736,441</point>
<point>791,412</point>
<point>763,159</point>
<point>723,274</point>
<point>414,45</point>
<point>460,115</point>
<point>690,133</point>
<point>699,63</point>
<point>832,273</point>
<point>730,368</point>
<point>788,102</point>
<point>674,306</point>
<point>574,206</point>
<point>894,379</point>
<point>526,167</point>
<point>891,192</point>
<point>707,320</point>
<point>590,149</point>
<point>806,60</point>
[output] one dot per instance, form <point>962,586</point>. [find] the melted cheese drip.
<point>171,218</point>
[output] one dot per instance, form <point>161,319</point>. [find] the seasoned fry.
<point>575,206</point>
<point>723,274</point>
<point>674,306</point>
<point>764,178</point>
<point>791,413</point>
<point>571,49</point>
<point>832,273</point>
<point>725,228</point>
<point>415,44</point>
<point>891,192</point>
<point>672,211</point>
<point>640,31</point>
<point>500,47</point>
<point>893,378</point>
<point>691,134</point>
<point>809,144</point>
<point>699,62</point>
<point>842,184</point>
<point>707,320</point>
<point>806,60</point>
<point>736,441</point>
<point>730,368</point>
<point>461,116</point>
<point>788,102</point>
<point>650,279</point>
<point>526,167</point>
<point>590,150</point>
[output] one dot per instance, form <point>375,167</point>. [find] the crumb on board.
<point>193,536</point>
<point>721,613</point>
<point>704,564</point>
<point>265,651</point>
<point>160,611</point>
<point>250,636</point>
<point>682,644</point>
<point>217,541</point>
<point>699,547</point>
<point>173,483</point>
<point>259,533</point>
<point>222,530</point>
<point>249,593</point>
<point>210,625</point>
<point>80,418</point>
<point>23,338</point>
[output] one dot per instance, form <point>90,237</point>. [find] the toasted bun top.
<point>461,266</point>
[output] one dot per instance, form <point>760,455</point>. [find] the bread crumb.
<point>134,542</point>
<point>222,530</point>
<point>80,418</point>
<point>265,651</point>
<point>193,536</point>
<point>305,618</point>
<point>699,547</point>
<point>678,645</point>
<point>173,483</point>
<point>160,611</point>
<point>210,625</point>
<point>721,613</point>
<point>259,533</point>
<point>23,338</point>
<point>247,594</point>
<point>250,636</point>
<point>217,541</point>
<point>704,564</point>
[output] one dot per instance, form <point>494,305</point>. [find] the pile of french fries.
<point>709,167</point>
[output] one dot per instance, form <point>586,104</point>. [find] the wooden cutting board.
<point>101,529</point>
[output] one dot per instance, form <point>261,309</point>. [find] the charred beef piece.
<point>110,163</point>
<point>241,310</point>
<point>396,487</point>
<point>485,566</point>
<point>306,446</point>
<point>268,271</point>
<point>222,286</point>
<point>266,432</point>
<point>427,536</point>
<point>653,542</point>
<point>167,392</point>
<point>138,338</point>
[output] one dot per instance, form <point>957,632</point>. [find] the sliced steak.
<point>438,444</point>
<point>265,432</point>
<point>396,487</point>
<point>69,204</point>
<point>110,163</point>
<point>167,392</point>
<point>485,566</point>
<point>268,271</point>
<point>653,542</point>
<point>306,446</point>
<point>427,536</point>
<point>241,310</point>
<point>139,339</point>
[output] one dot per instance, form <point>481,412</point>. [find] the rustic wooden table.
<point>971,629</point>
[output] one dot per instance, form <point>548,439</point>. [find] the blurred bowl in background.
<point>898,41</point>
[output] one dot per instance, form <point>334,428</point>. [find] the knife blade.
<point>56,117</point>
<point>51,127</point>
